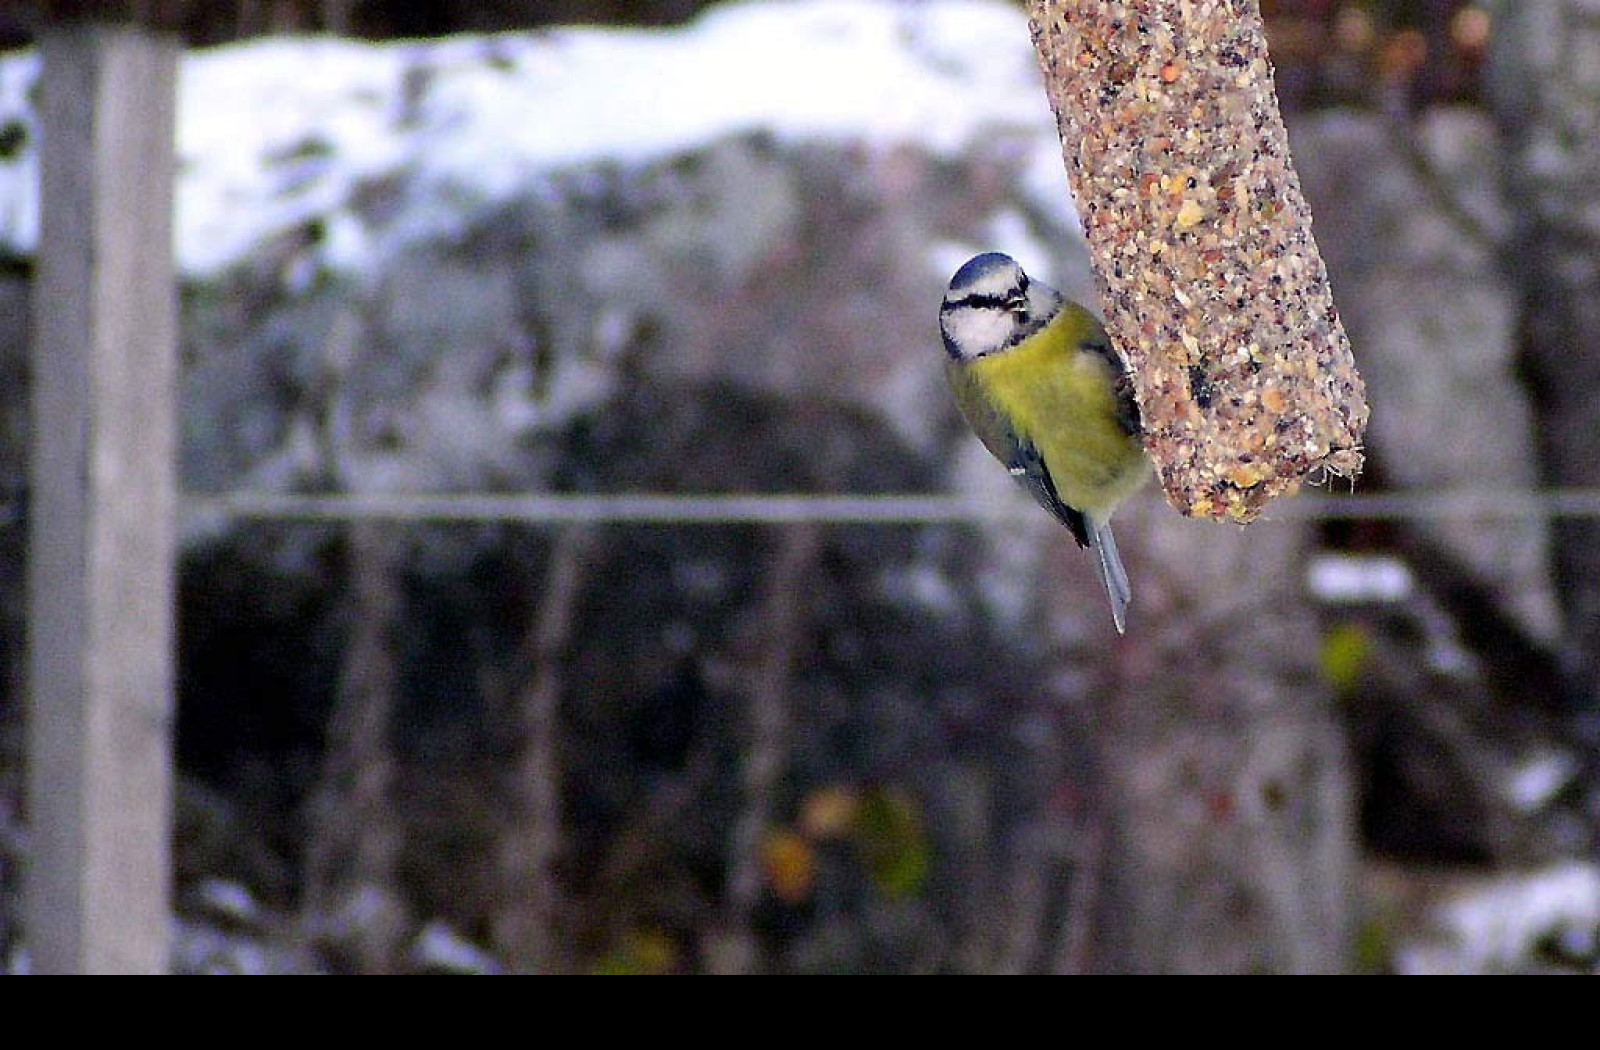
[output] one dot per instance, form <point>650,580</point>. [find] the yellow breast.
<point>1060,398</point>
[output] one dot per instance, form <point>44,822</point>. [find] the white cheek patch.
<point>979,330</point>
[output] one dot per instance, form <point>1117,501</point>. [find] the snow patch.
<point>1502,925</point>
<point>373,145</point>
<point>1348,578</point>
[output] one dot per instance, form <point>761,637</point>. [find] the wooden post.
<point>101,501</point>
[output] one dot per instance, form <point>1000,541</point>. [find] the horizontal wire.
<point>798,508</point>
<point>670,509</point>
<point>589,509</point>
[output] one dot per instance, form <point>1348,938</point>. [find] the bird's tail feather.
<point>1111,570</point>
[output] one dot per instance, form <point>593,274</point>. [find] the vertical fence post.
<point>101,500</point>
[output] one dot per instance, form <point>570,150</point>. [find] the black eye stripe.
<point>986,302</point>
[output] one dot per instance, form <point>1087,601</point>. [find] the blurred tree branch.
<point>525,925</point>
<point>764,754</point>
<point>1229,832</point>
<point>1543,99</point>
<point>351,901</point>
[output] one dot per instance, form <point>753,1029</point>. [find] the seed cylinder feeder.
<point>1201,242</point>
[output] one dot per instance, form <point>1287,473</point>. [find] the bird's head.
<point>991,306</point>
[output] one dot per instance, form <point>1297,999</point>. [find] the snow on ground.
<point>1346,578</point>
<point>1508,921</point>
<point>274,132</point>
<point>19,168</point>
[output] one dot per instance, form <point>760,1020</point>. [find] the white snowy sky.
<point>276,131</point>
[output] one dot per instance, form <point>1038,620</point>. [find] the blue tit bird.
<point>1045,391</point>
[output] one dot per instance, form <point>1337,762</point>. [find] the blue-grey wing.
<point>1028,467</point>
